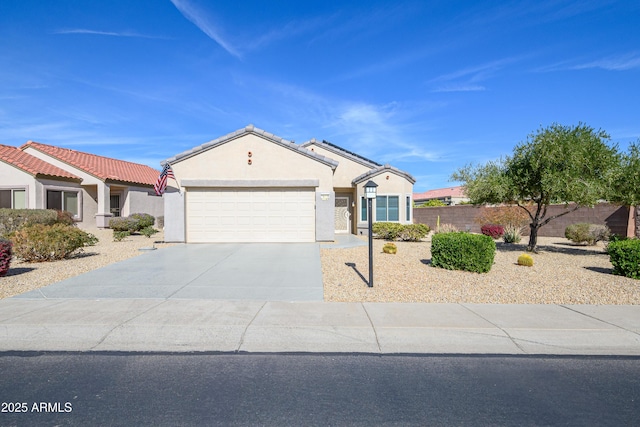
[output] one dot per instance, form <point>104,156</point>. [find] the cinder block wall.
<point>462,216</point>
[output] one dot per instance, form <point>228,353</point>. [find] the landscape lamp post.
<point>370,189</point>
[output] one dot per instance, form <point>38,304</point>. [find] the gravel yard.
<point>23,277</point>
<point>563,273</point>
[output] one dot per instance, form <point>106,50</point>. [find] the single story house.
<point>94,188</point>
<point>449,196</point>
<point>253,186</point>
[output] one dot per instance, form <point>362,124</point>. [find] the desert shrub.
<point>64,217</point>
<point>512,234</point>
<point>625,257</point>
<point>433,203</point>
<point>505,216</point>
<point>5,256</point>
<point>387,230</point>
<point>390,248</point>
<point>38,242</point>
<point>526,260</point>
<point>463,251</point>
<point>119,236</point>
<point>494,231</point>
<point>124,223</point>
<point>144,220</point>
<point>446,228</point>
<point>586,233</point>
<point>13,219</point>
<point>414,232</point>
<point>148,231</point>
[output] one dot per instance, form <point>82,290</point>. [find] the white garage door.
<point>238,215</point>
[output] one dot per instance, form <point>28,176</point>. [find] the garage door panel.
<point>239,215</point>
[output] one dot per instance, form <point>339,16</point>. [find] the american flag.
<point>161,184</point>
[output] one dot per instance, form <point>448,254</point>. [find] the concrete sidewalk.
<point>190,325</point>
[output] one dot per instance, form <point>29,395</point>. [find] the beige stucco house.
<point>253,186</point>
<point>93,188</point>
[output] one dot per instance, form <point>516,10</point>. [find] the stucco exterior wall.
<point>347,168</point>
<point>13,178</point>
<point>143,200</point>
<point>389,184</point>
<point>174,216</point>
<point>269,161</point>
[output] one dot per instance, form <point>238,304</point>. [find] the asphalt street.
<point>81,389</point>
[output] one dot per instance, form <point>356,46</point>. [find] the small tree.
<point>557,164</point>
<point>626,188</point>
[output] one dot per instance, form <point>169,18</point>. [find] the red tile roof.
<point>31,164</point>
<point>104,168</point>
<point>440,193</point>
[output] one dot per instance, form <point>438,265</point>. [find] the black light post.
<point>370,189</point>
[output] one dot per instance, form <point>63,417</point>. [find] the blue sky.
<point>427,86</point>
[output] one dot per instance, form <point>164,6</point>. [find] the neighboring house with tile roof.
<point>24,179</point>
<point>449,196</point>
<point>94,188</point>
<point>253,186</point>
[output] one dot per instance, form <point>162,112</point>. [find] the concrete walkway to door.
<point>234,271</point>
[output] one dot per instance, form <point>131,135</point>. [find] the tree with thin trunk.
<point>556,164</point>
<point>627,182</point>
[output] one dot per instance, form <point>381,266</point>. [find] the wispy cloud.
<point>203,21</point>
<point>107,33</point>
<point>621,62</point>
<point>467,79</point>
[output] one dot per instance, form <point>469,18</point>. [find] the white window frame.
<point>13,189</point>
<point>77,217</point>
<point>399,196</point>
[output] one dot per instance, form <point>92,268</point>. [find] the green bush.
<point>39,242</point>
<point>414,232</point>
<point>119,236</point>
<point>433,203</point>
<point>13,219</point>
<point>148,231</point>
<point>5,256</point>
<point>133,224</point>
<point>625,257</point>
<point>463,251</point>
<point>124,223</point>
<point>144,220</point>
<point>586,233</point>
<point>387,230</point>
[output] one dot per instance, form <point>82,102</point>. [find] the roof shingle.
<point>104,168</point>
<point>31,164</point>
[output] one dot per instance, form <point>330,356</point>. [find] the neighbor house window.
<point>387,208</point>
<point>13,199</point>
<point>63,201</point>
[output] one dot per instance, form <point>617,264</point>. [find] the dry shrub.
<point>506,216</point>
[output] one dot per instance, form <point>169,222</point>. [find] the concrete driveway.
<point>248,271</point>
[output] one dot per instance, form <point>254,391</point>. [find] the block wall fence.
<point>621,220</point>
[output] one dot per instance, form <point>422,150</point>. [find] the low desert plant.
<point>5,256</point>
<point>526,260</point>
<point>463,251</point>
<point>387,230</point>
<point>36,243</point>
<point>144,220</point>
<point>119,236</point>
<point>13,219</point>
<point>587,233</point>
<point>512,234</point>
<point>494,231</point>
<point>414,232</point>
<point>390,248</point>
<point>446,228</point>
<point>505,216</point>
<point>625,257</point>
<point>148,231</point>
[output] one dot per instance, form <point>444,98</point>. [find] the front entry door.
<point>342,215</point>
<point>114,200</point>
